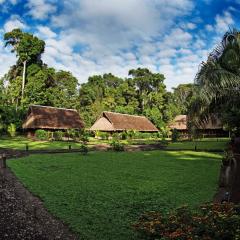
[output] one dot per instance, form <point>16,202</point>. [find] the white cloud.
<point>114,36</point>
<point>176,39</point>
<point>118,24</point>
<point>224,22</point>
<point>209,27</point>
<point>40,9</point>
<point>46,32</point>
<point>7,58</point>
<point>14,22</point>
<point>117,36</point>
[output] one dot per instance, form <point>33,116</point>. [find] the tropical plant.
<point>84,136</point>
<point>12,129</point>
<point>117,146</point>
<point>58,135</point>
<point>218,84</point>
<point>84,149</point>
<point>41,134</point>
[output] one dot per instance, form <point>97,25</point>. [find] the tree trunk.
<point>24,77</point>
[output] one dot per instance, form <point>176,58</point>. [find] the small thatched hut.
<point>210,128</point>
<point>51,118</point>
<point>118,122</point>
<point>180,123</point>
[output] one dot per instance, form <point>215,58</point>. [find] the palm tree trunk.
<point>24,77</point>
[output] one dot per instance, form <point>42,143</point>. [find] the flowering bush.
<point>209,222</point>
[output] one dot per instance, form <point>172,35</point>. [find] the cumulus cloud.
<point>40,9</point>
<point>14,22</point>
<point>90,37</point>
<point>7,58</point>
<point>118,24</point>
<point>114,37</point>
<point>45,32</point>
<point>223,22</point>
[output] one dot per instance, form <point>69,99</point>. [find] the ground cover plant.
<point>210,221</point>
<point>100,195</point>
<point>218,144</point>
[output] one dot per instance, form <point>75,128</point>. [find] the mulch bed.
<point>23,216</point>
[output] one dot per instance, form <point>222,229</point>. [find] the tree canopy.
<point>218,84</point>
<point>142,92</point>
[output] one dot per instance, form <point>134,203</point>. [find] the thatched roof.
<point>109,121</point>
<point>180,123</point>
<point>44,117</point>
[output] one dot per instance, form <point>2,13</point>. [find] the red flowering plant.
<point>208,222</point>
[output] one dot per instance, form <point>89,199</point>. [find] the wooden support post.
<point>69,147</point>
<point>27,147</point>
<point>3,161</point>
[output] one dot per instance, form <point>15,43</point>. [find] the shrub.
<point>211,221</point>
<point>124,135</point>
<point>72,133</point>
<point>84,149</point>
<point>117,146</point>
<point>131,134</point>
<point>58,135</point>
<point>83,136</point>
<point>142,135</point>
<point>50,135</point>
<point>2,128</point>
<point>103,135</point>
<point>11,129</point>
<point>41,134</point>
<point>97,134</point>
<point>175,135</point>
<point>116,136</point>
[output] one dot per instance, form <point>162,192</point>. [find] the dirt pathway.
<point>22,216</point>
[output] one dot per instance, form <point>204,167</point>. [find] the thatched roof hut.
<point>51,118</point>
<point>117,122</point>
<point>180,123</point>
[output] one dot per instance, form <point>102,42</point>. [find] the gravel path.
<point>22,216</point>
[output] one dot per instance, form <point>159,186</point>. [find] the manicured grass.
<point>201,144</point>
<point>20,144</point>
<point>101,194</point>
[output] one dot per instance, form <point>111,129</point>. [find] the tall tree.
<point>142,93</point>
<point>183,96</point>
<point>27,47</point>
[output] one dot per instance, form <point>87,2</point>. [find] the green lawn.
<point>201,144</point>
<point>101,194</point>
<point>20,144</point>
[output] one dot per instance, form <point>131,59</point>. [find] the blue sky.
<point>90,37</point>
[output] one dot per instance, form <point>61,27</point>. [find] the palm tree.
<point>218,80</point>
